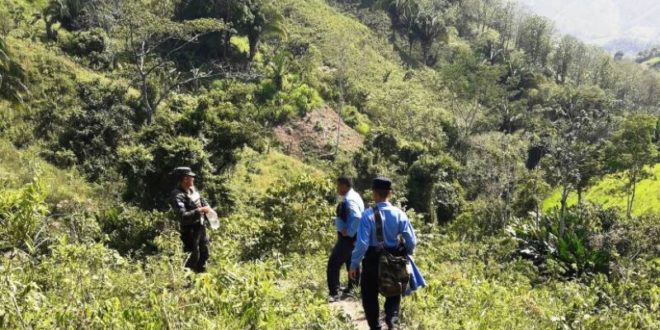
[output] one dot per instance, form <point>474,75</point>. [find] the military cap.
<point>381,183</point>
<point>182,171</point>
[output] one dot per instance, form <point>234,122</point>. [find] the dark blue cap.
<point>381,183</point>
<point>182,171</point>
<point>345,179</point>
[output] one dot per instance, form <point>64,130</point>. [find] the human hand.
<point>204,209</point>
<point>352,274</point>
<point>344,232</point>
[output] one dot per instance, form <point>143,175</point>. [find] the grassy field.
<point>610,192</point>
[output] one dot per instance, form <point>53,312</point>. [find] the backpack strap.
<point>379,225</point>
<point>342,211</point>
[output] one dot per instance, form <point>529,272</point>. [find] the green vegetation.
<point>528,163</point>
<point>610,192</point>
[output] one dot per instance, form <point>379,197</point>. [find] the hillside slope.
<point>610,192</point>
<point>377,77</point>
<point>87,240</point>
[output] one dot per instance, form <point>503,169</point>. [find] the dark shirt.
<point>185,205</point>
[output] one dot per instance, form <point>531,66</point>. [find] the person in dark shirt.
<point>191,210</point>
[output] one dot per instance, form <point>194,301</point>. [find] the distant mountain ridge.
<point>629,46</point>
<point>615,25</point>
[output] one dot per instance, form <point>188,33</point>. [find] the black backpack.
<point>393,270</point>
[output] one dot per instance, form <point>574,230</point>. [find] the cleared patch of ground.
<point>316,135</point>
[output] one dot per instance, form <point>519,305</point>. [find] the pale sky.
<point>602,21</point>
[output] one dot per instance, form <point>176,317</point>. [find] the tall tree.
<point>505,23</point>
<point>394,9</point>
<point>429,28</point>
<point>564,57</point>
<point>236,14</point>
<point>403,14</point>
<point>580,126</point>
<point>151,42</point>
<point>265,21</point>
<point>102,14</point>
<point>65,12</point>
<point>632,149</point>
<point>535,38</point>
<point>492,171</point>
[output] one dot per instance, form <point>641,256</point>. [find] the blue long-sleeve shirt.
<point>355,206</point>
<point>395,223</point>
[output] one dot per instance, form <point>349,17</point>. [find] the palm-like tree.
<point>12,76</point>
<point>65,12</point>
<point>402,15</point>
<point>428,28</point>
<point>266,22</point>
<point>279,67</point>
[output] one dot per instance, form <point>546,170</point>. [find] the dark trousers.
<point>369,287</point>
<point>196,243</point>
<point>341,255</point>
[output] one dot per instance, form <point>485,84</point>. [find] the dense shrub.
<point>93,131</point>
<point>85,43</point>
<point>12,75</point>
<point>587,246</point>
<point>132,231</point>
<point>22,215</point>
<point>282,106</point>
<point>147,168</point>
<point>433,188</point>
<point>297,217</point>
<point>355,119</point>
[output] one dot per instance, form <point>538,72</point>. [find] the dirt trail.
<point>353,309</point>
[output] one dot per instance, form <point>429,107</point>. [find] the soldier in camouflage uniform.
<point>191,209</point>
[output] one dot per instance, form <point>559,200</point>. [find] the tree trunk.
<point>537,209</point>
<point>562,211</point>
<point>147,107</point>
<point>341,105</point>
<point>227,44</point>
<point>144,88</point>
<point>433,217</point>
<point>50,33</point>
<point>425,53</point>
<point>579,194</point>
<point>631,194</point>
<point>253,40</point>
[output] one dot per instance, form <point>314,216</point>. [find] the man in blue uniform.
<point>399,237</point>
<point>191,209</point>
<point>349,213</point>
